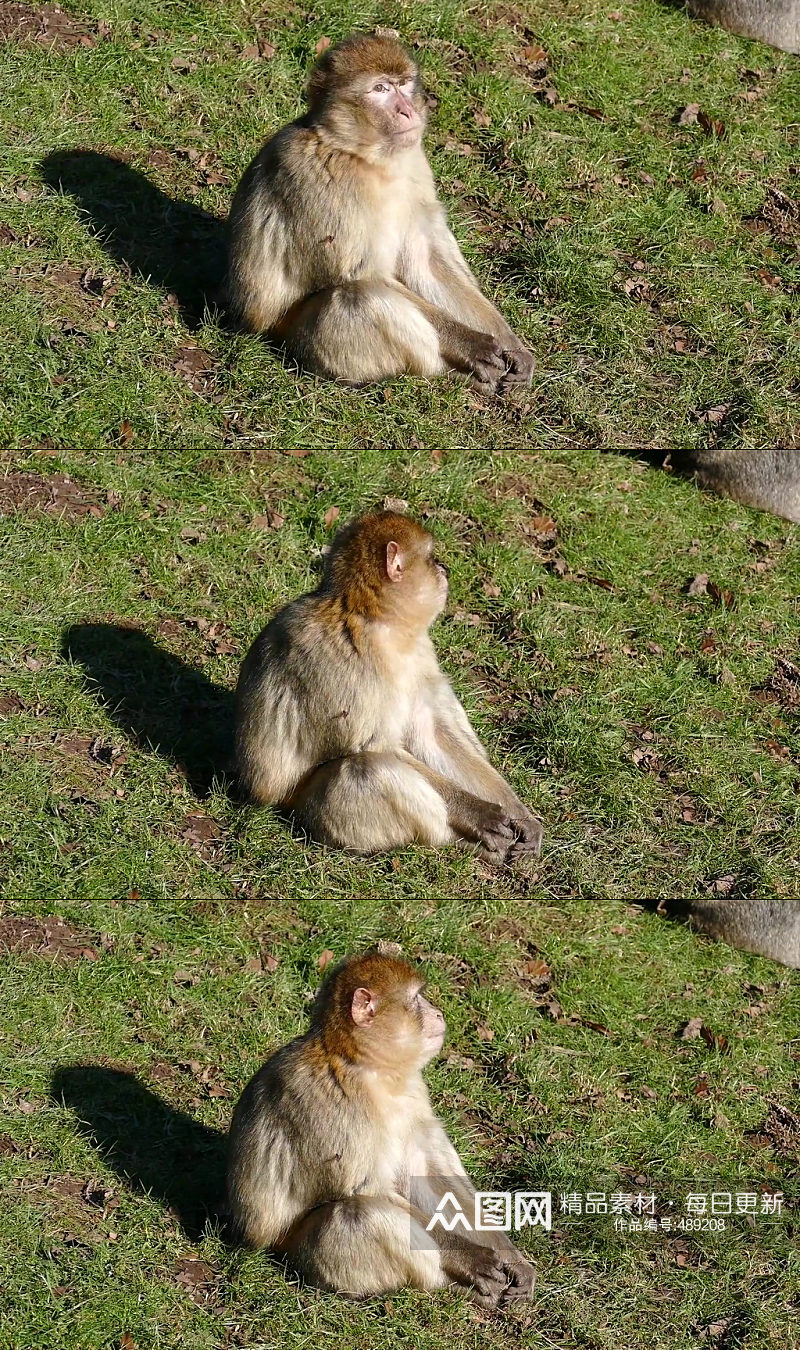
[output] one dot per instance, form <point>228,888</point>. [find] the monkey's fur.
<point>766,479</point>
<point>344,715</point>
<point>339,246</point>
<point>776,22</point>
<point>336,1157</point>
<point>769,927</point>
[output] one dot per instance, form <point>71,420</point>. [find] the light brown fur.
<point>343,712</point>
<point>767,479</point>
<point>769,927</point>
<point>774,21</point>
<point>339,246</point>
<point>336,1157</point>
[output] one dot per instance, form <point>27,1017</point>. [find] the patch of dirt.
<point>203,834</point>
<point>196,366</point>
<point>779,215</point>
<point>10,703</point>
<point>783,685</point>
<point>48,25</point>
<point>197,1277</point>
<point>45,937</point>
<point>780,1130</point>
<point>54,495</point>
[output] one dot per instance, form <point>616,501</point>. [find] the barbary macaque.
<point>344,716</point>
<point>769,927</point>
<point>339,246</point>
<point>776,22</point>
<point>767,479</point>
<point>337,1160</point>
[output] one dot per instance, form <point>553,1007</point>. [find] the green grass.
<point>655,732</point>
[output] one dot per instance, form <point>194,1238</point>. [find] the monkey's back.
<point>305,696</point>
<point>301,1136</point>
<point>774,21</point>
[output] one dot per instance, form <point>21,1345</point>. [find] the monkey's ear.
<point>363,1009</point>
<point>394,561</point>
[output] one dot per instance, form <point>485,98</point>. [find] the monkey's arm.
<point>447,744</point>
<point>442,1171</point>
<point>433,267</point>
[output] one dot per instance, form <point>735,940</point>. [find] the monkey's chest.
<point>365,242</point>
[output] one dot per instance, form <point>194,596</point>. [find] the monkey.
<point>337,1161</point>
<point>768,480</point>
<point>344,716</point>
<point>769,927</point>
<point>339,247</point>
<point>776,22</point>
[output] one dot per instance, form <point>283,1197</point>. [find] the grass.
<point>655,731</point>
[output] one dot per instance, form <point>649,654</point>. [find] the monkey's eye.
<point>441,566</point>
<point>380,88</point>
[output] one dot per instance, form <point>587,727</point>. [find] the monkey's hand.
<point>494,829</point>
<point>519,367</point>
<point>480,1268</point>
<point>521,1277</point>
<point>487,360</point>
<point>529,836</point>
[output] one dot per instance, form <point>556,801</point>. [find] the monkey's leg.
<point>371,802</point>
<point>365,1245</point>
<point>379,800</point>
<point>362,331</point>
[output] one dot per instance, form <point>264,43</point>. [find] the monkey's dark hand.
<point>487,360</point>
<point>494,829</point>
<point>529,836</point>
<point>481,1268</point>
<point>521,1278</point>
<point>519,367</point>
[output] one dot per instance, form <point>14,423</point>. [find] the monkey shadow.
<point>159,701</point>
<point>169,243</point>
<point>154,1148</point>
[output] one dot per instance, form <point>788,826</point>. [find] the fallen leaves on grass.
<point>195,365</point>
<point>260,50</point>
<point>715,1334</point>
<point>784,684</point>
<point>331,516</point>
<point>10,703</point>
<point>696,1029</point>
<point>46,937</point>
<point>713,415</point>
<point>692,113</point>
<point>271,520</point>
<point>780,1130</point>
<point>48,25</point>
<point>197,1277</point>
<point>55,495</point>
<point>202,834</point>
<point>324,959</point>
<point>701,585</point>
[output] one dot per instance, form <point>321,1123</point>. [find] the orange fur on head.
<point>362,54</point>
<point>396,1035</point>
<point>356,565</point>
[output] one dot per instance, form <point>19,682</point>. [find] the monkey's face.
<point>398,1026</point>
<point>428,584</point>
<point>395,109</point>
